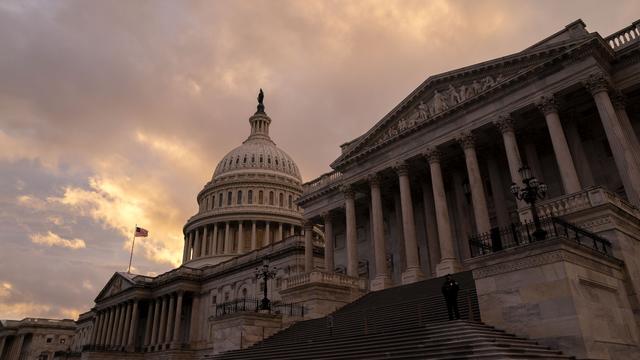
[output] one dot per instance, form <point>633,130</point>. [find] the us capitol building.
<point>443,184</point>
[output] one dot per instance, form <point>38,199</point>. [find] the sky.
<point>116,113</point>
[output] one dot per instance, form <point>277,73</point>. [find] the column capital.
<point>327,216</point>
<point>547,104</point>
<point>597,82</point>
<point>348,191</point>
<point>505,123</point>
<point>374,179</point>
<point>432,154</point>
<point>467,140</point>
<point>402,168</point>
<point>308,225</point>
<point>619,100</point>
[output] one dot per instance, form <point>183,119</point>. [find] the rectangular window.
<point>250,197</point>
<point>220,200</point>
<point>229,198</point>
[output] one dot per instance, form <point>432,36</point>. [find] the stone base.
<point>380,283</point>
<point>448,266</point>
<point>560,294</point>
<point>413,275</point>
<point>241,330</point>
<point>119,355</point>
<point>322,293</point>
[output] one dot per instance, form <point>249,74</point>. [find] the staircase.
<point>405,322</point>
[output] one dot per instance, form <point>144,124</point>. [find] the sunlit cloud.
<point>52,239</point>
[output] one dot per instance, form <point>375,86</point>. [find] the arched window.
<point>244,293</point>
<point>271,198</point>
<point>250,197</point>
<point>260,197</point>
<point>229,194</point>
<point>281,200</point>
<point>220,200</point>
<point>213,201</point>
<point>239,201</point>
<point>290,201</point>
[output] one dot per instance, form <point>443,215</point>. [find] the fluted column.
<point>628,168</point>
<point>185,249</point>
<point>240,237</point>
<point>568,172</point>
<point>205,240</point>
<point>413,272</point>
<point>498,191</point>
<point>619,103</point>
<point>214,240</point>
<point>352,232</point>
<point>308,246</point>
<point>254,236</point>
<point>105,327</point>
<point>196,245</point>
<point>95,331</point>
<point>267,233</point>
<point>431,226</point>
<point>112,317</point>
<point>163,321</point>
<point>505,125</point>
<point>382,279</point>
<point>227,238</point>
<point>280,232</point>
<point>478,199</point>
<point>577,149</point>
<point>194,334</point>
<point>148,325</point>
<point>122,339</point>
<point>448,262</point>
<point>329,263</point>
<point>133,326</point>
<point>156,321</point>
<point>178,319</point>
<point>170,318</point>
<point>121,310</point>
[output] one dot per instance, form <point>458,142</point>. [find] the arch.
<point>213,201</point>
<point>220,200</point>
<point>271,198</point>
<point>281,200</point>
<point>229,195</point>
<point>239,199</point>
<point>290,201</point>
<point>250,197</point>
<point>260,197</point>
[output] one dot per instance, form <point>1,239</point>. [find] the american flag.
<point>140,232</point>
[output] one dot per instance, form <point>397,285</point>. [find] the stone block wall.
<point>241,330</point>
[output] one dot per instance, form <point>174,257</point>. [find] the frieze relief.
<point>439,102</point>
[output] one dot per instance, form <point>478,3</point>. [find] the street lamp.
<point>532,191</point>
<point>265,273</point>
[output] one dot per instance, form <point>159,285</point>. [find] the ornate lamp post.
<point>265,273</point>
<point>532,191</point>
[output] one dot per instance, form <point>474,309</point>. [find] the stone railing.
<point>625,37</point>
<point>323,278</point>
<point>585,199</point>
<point>321,182</point>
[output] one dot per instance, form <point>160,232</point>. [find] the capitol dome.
<point>249,202</point>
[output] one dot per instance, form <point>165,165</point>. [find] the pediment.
<point>442,94</point>
<point>117,284</point>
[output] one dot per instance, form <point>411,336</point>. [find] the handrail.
<point>624,37</point>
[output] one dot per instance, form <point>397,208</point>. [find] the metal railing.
<point>522,234</point>
<point>253,305</point>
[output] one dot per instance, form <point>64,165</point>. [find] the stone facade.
<point>35,339</point>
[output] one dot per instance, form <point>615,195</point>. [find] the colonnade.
<point>13,348</point>
<point>115,327</point>
<point>620,135</point>
<point>164,321</point>
<point>228,238</point>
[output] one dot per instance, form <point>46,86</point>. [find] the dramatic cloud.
<point>114,114</point>
<point>51,239</point>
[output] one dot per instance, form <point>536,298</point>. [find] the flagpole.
<point>132,244</point>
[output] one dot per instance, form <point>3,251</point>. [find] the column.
<point>254,237</point>
<point>94,331</point>
<point>105,327</point>
<point>568,172</point>
<point>190,250</point>
<point>448,262</point>
<point>628,168</point>
<point>196,245</point>
<point>114,329</point>
<point>185,249</point>
<point>267,234</point>
<point>156,320</point>
<point>133,327</point>
<point>352,232</point>
<point>498,190</point>
<point>148,326</point>
<point>163,321</point>
<point>431,225</point>
<point>214,240</point>
<point>178,325</point>
<point>205,240</point>
<point>382,280</point>
<point>127,321</point>
<point>119,330</point>
<point>478,199</point>
<point>413,272</point>
<point>582,162</point>
<point>280,232</point>
<point>16,348</point>
<point>292,230</point>
<point>170,318</point>
<point>619,104</point>
<point>3,342</point>
<point>227,238</point>
<point>240,237</point>
<point>460,214</point>
<point>329,263</point>
<point>308,246</point>
<point>112,315</point>
<point>505,125</point>
<point>194,335</point>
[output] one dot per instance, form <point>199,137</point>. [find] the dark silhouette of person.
<point>450,290</point>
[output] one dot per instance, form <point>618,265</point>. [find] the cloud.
<point>52,239</point>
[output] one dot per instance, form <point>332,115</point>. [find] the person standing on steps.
<point>450,290</point>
